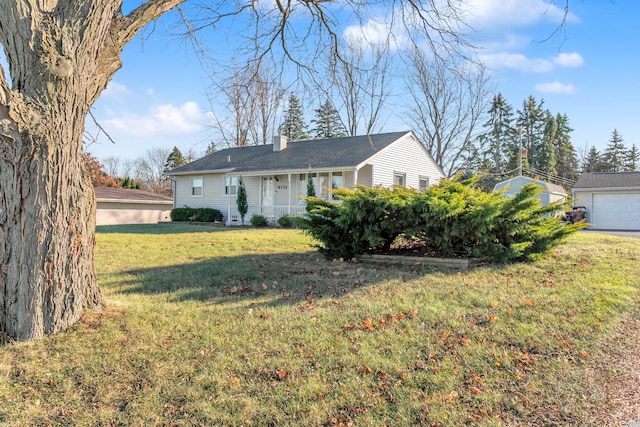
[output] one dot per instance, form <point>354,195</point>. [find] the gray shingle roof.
<point>299,155</point>
<point>129,194</point>
<point>608,180</point>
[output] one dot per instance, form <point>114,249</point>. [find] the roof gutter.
<point>201,172</point>
<point>636,188</point>
<point>132,201</point>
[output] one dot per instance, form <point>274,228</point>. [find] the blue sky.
<point>589,71</point>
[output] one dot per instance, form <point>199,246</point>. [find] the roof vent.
<point>279,142</point>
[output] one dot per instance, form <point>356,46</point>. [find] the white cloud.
<point>510,41</point>
<point>573,59</point>
<point>556,87</point>
<point>516,61</point>
<point>372,33</point>
<point>514,13</point>
<point>162,119</point>
<point>117,91</point>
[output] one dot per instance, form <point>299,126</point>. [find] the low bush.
<point>452,219</point>
<point>196,214</point>
<point>258,221</point>
<point>287,221</point>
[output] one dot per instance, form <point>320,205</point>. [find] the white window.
<point>336,181</point>
<point>322,190</point>
<point>196,187</point>
<point>399,178</point>
<point>423,183</point>
<point>231,185</point>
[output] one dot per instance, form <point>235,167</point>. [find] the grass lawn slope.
<point>215,326</point>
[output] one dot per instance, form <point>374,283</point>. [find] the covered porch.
<point>276,195</point>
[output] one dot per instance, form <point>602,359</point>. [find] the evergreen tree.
<point>565,152</point>
<point>499,137</point>
<point>531,123</point>
<point>545,154</point>
<point>128,182</point>
<point>241,200</point>
<point>614,155</point>
<point>594,162</point>
<point>211,148</point>
<point>174,160</point>
<point>631,159</point>
<point>311,189</point>
<point>294,127</point>
<point>327,122</point>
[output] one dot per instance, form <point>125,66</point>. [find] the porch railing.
<point>271,213</point>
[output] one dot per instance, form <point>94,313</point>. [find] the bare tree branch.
<point>128,26</point>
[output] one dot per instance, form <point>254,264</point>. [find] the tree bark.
<point>61,56</point>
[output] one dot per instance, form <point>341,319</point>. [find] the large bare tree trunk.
<point>61,56</point>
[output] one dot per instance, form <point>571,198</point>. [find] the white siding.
<point>407,156</point>
<point>365,176</point>
<point>131,213</point>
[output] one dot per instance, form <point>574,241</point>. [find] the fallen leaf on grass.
<point>367,324</point>
<point>475,390</point>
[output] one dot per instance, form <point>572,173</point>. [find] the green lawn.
<point>212,326</point>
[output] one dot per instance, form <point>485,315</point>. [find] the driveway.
<point>632,234</point>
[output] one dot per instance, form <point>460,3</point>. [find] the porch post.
<point>289,187</point>
<point>355,177</point>
<point>228,203</point>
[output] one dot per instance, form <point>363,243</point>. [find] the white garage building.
<point>127,206</point>
<point>612,199</point>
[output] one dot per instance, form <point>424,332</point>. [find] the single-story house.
<point>128,206</point>
<point>549,192</point>
<point>611,199</point>
<point>275,175</point>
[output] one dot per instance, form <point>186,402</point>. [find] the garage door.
<point>616,212</point>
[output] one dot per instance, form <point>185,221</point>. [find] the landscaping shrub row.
<point>452,219</point>
<point>196,214</point>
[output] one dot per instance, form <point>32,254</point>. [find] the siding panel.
<point>407,156</point>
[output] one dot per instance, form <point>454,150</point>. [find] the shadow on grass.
<point>163,228</point>
<point>285,278</point>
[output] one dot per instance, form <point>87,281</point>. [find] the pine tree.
<point>614,155</point>
<point>174,160</point>
<point>594,162</point>
<point>565,153</point>
<point>327,122</point>
<point>311,189</point>
<point>294,127</point>
<point>210,149</point>
<point>631,159</point>
<point>532,123</point>
<point>499,137</point>
<point>241,200</point>
<point>545,159</point>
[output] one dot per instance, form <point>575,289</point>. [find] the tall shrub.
<point>452,219</point>
<point>241,200</point>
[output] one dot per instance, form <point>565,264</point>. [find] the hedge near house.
<point>196,214</point>
<point>453,219</point>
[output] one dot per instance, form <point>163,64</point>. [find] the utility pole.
<point>520,130</point>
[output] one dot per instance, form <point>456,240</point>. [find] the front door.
<point>268,192</point>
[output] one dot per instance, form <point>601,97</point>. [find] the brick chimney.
<point>279,142</point>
